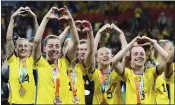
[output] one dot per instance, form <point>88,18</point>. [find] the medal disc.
<point>76,100</point>
<point>57,100</point>
<point>104,103</point>
<point>22,91</point>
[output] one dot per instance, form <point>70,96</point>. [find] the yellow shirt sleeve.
<point>127,72</point>
<point>94,75</point>
<point>41,62</point>
<point>11,59</point>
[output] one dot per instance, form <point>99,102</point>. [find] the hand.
<point>86,26</point>
<point>29,12</point>
<point>51,13</point>
<point>104,28</point>
<point>78,24</point>
<point>147,39</point>
<point>19,12</point>
<point>113,26</point>
<point>134,41</point>
<point>66,14</point>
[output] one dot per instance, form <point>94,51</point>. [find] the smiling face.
<point>104,56</point>
<point>138,57</point>
<point>22,47</point>
<point>52,48</point>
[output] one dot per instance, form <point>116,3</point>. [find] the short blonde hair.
<point>50,37</point>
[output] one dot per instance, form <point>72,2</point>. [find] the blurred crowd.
<point>155,19</point>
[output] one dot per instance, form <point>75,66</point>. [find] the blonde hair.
<point>19,40</point>
<point>50,37</point>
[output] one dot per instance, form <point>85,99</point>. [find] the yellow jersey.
<point>45,92</point>
<point>161,90</point>
<point>28,84</point>
<point>67,98</point>
<point>171,82</point>
<point>148,93</point>
<point>112,96</point>
<point>46,87</point>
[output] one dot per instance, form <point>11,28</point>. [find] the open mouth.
<point>54,53</point>
<point>139,59</point>
<point>82,56</point>
<point>105,58</point>
<point>23,51</point>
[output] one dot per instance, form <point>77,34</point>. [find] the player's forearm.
<point>117,58</point>
<point>63,35</point>
<point>121,35</point>
<point>40,30</point>
<point>160,50</point>
<point>73,31</point>
<point>9,39</point>
<point>123,40</point>
<point>71,53</point>
<point>90,51</point>
<point>36,53</point>
<point>97,40</point>
<point>35,24</point>
<point>9,36</point>
<point>90,42</point>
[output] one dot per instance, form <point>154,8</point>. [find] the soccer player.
<point>53,83</point>
<point>107,89</point>
<point>84,58</point>
<point>139,81</point>
<point>161,86</point>
<point>169,71</point>
<point>21,66</point>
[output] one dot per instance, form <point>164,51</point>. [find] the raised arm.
<point>90,55</point>
<point>64,34</point>
<point>38,37</point>
<point>169,68</point>
<point>71,51</point>
<point>9,37</point>
<point>98,36</point>
<point>117,58</point>
<point>123,43</point>
<point>121,35</point>
<point>31,14</point>
<point>161,51</point>
<point>158,48</point>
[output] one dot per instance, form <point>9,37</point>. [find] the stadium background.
<point>134,18</point>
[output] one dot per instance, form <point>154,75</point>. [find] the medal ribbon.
<point>72,78</point>
<point>104,84</point>
<point>71,83</point>
<point>22,73</point>
<point>139,88</point>
<point>56,79</point>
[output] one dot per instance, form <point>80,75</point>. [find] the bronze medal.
<point>57,100</point>
<point>76,100</point>
<point>22,91</point>
<point>104,103</point>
